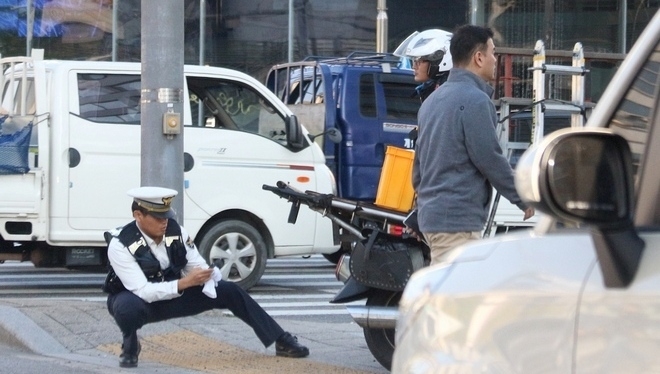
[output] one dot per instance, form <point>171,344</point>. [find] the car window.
<point>400,100</point>
<point>232,105</point>
<point>109,98</point>
<point>115,98</point>
<point>367,96</point>
<point>631,119</point>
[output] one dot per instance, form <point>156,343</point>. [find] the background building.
<point>252,35</point>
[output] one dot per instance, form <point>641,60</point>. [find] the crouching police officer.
<point>157,274</point>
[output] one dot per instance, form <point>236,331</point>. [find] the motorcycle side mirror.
<point>333,134</point>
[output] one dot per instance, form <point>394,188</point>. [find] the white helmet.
<point>431,45</point>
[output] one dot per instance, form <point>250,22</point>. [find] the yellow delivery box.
<point>395,190</point>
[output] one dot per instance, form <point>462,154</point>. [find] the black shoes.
<point>128,360</point>
<point>287,346</point>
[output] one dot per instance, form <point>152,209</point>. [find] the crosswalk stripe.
<point>62,275</point>
<point>299,262</point>
<point>310,312</point>
<point>300,284</point>
<point>278,297</point>
<point>298,276</point>
<point>297,304</point>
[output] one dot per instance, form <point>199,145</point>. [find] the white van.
<point>85,154</point>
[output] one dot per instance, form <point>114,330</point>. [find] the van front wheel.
<point>237,249</point>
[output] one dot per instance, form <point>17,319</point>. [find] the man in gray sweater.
<point>458,158</point>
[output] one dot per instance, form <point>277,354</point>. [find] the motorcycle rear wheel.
<point>381,341</point>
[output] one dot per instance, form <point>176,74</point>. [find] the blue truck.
<point>366,96</point>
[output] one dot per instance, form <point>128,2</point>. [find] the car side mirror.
<point>585,176</point>
<point>294,134</point>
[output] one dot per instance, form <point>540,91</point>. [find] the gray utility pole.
<point>381,27</point>
<point>162,97</point>
<point>29,26</point>
<point>290,34</point>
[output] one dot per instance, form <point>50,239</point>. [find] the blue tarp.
<point>14,149</point>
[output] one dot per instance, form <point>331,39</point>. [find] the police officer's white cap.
<point>156,201</point>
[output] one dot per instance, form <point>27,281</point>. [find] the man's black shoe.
<point>287,346</point>
<point>128,360</point>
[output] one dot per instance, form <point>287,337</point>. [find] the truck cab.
<point>366,96</point>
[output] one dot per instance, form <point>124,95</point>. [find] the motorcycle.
<point>381,259</point>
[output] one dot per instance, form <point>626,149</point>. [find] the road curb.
<point>29,333</point>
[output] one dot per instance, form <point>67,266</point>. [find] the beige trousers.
<point>442,242</point>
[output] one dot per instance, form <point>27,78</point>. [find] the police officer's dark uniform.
<point>147,273</point>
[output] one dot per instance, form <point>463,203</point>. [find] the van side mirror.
<point>585,176</point>
<point>294,134</point>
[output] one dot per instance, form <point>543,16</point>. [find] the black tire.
<point>237,249</point>
<point>381,341</point>
<point>5,246</point>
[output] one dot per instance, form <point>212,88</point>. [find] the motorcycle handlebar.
<point>326,202</point>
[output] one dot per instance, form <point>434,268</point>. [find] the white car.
<point>580,293</point>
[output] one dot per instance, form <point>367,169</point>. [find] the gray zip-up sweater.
<point>458,157</point>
